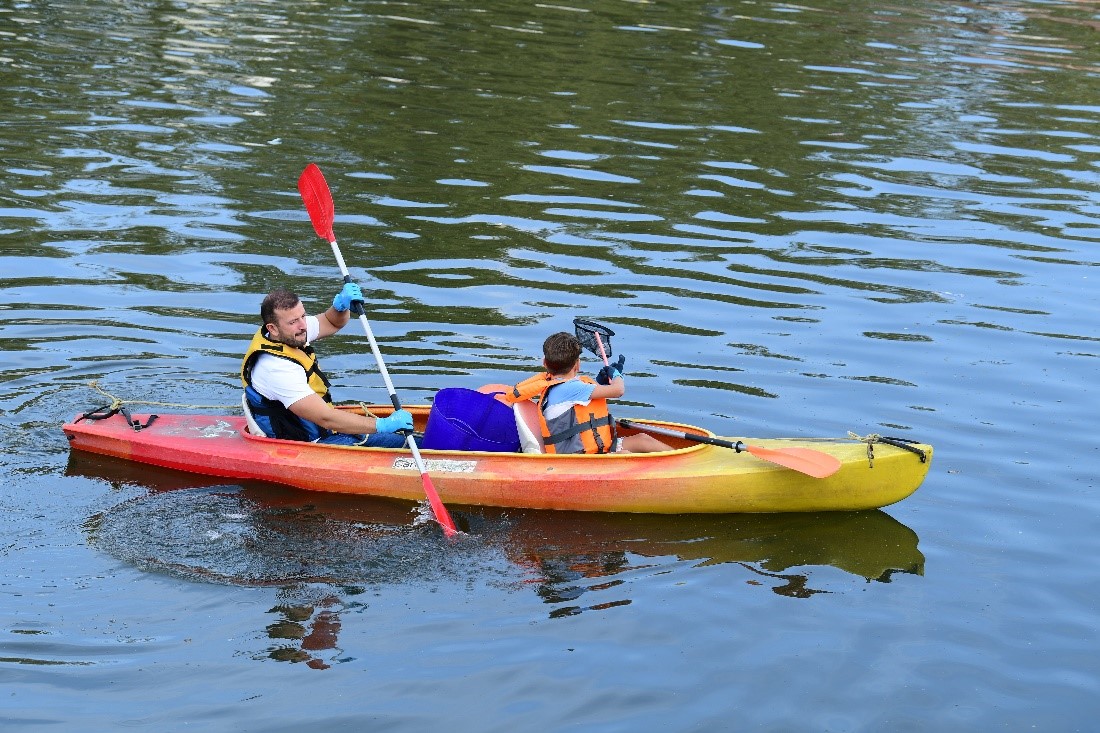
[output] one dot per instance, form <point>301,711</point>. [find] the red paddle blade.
<point>441,514</point>
<point>318,200</point>
<point>804,460</point>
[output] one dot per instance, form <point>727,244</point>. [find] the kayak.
<point>693,477</point>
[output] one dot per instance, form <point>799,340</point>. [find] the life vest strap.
<point>592,424</point>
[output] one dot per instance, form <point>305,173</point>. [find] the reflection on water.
<point>570,556</point>
<point>306,632</point>
<point>261,535</point>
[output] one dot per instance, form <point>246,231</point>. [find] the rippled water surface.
<point>799,219</point>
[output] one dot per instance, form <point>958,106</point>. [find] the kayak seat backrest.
<point>253,428</point>
<point>527,423</point>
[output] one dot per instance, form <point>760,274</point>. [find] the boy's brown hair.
<point>561,351</point>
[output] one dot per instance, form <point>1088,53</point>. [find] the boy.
<point>573,412</point>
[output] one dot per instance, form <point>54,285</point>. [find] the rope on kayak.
<point>114,400</point>
<point>873,438</point>
<point>117,405</point>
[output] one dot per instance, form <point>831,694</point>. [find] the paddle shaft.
<point>738,446</point>
<point>318,200</point>
<point>804,460</point>
<point>357,309</point>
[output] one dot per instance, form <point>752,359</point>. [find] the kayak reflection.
<point>323,551</point>
<point>569,558</point>
<point>869,544</point>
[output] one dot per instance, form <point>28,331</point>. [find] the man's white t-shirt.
<point>281,379</point>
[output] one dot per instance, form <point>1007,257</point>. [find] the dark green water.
<point>800,219</point>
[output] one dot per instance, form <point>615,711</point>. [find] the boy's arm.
<point>614,388</point>
<point>617,388</point>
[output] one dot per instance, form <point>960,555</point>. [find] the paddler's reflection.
<point>304,630</point>
<point>561,579</point>
<point>795,586</point>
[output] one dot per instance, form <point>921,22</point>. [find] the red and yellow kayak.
<point>691,478</point>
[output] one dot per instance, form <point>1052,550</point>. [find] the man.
<point>286,390</point>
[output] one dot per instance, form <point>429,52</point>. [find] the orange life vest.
<point>592,422</point>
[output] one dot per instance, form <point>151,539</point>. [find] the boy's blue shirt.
<point>568,393</point>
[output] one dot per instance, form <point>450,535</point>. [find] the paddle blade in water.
<point>441,514</point>
<point>318,200</point>
<point>804,460</point>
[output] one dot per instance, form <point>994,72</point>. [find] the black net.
<point>592,334</point>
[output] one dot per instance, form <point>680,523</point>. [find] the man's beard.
<point>297,342</point>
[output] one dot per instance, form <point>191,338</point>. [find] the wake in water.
<point>219,534</point>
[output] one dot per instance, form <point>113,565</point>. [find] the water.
<point>799,220</point>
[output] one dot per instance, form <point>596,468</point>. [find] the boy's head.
<point>560,352</point>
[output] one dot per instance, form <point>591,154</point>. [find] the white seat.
<point>527,423</point>
<point>253,428</point>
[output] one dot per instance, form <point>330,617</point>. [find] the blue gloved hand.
<point>608,374</point>
<point>395,423</point>
<point>349,294</point>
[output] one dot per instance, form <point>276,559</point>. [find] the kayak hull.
<point>691,478</point>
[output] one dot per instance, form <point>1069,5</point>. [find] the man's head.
<point>560,352</point>
<point>284,318</point>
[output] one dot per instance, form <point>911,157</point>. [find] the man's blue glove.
<point>350,294</point>
<point>395,423</point>
<point>608,374</point>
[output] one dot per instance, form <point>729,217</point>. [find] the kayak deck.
<point>691,478</point>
